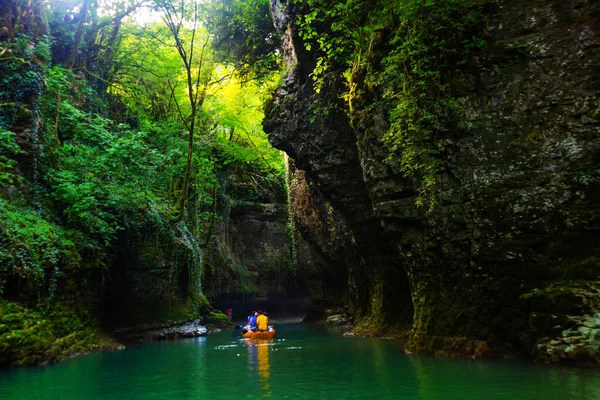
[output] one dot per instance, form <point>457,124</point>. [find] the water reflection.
<point>264,372</point>
<point>258,355</point>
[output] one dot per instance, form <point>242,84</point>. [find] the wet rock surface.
<point>191,330</point>
<point>252,255</point>
<point>566,319</point>
<point>338,317</point>
<point>172,330</point>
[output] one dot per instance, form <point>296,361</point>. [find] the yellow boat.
<point>258,335</point>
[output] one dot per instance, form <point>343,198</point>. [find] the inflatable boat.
<point>270,334</point>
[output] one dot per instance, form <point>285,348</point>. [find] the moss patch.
<point>217,318</point>
<point>30,337</point>
<point>562,297</point>
<point>386,331</point>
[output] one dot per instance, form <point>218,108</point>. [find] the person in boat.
<point>251,325</point>
<point>252,321</point>
<point>269,327</point>
<point>262,322</point>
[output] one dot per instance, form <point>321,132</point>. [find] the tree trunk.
<point>79,35</point>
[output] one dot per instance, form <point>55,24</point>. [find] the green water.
<point>305,362</point>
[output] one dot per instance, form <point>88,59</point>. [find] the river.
<point>304,362</point>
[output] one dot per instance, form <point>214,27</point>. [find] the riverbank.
<point>31,336</point>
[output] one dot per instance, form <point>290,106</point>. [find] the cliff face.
<point>508,258</point>
<point>249,251</point>
<point>244,257</point>
<point>324,147</point>
<point>253,258</point>
<point>154,277</point>
<point>326,239</point>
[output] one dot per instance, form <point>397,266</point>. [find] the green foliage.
<point>32,248</point>
<point>244,35</point>
<point>332,30</point>
<point>109,143</point>
<point>240,140</point>
<point>409,51</point>
<point>21,83</point>
<point>151,85</point>
<point>8,148</point>
<point>229,128</point>
<point>42,50</point>
<point>106,172</point>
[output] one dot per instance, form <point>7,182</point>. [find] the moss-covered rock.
<point>29,336</point>
<point>564,322</point>
<point>218,319</point>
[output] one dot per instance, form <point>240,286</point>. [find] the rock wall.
<point>249,248</point>
<point>154,277</point>
<point>324,147</point>
<point>240,259</point>
<point>519,205</point>
<point>323,235</point>
<point>508,259</point>
<point>253,258</point>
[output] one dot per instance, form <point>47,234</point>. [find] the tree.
<point>197,74</point>
<point>244,36</point>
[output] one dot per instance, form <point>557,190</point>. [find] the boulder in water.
<point>184,331</point>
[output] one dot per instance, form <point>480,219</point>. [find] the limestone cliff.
<point>507,259</point>
<point>325,149</point>
<point>249,251</point>
<point>252,257</point>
